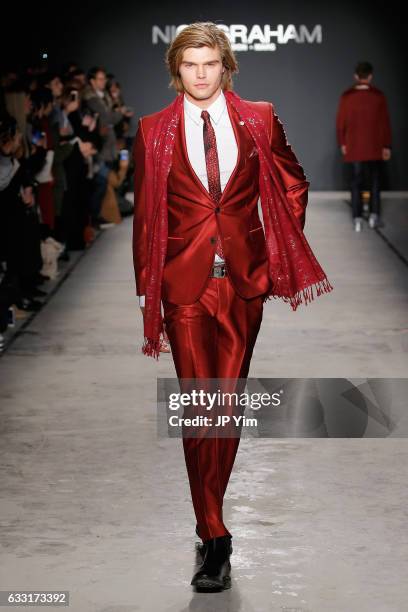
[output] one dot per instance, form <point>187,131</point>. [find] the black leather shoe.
<point>214,573</point>
<point>201,546</point>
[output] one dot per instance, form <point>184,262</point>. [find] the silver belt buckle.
<point>219,271</point>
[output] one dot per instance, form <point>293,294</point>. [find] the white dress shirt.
<point>226,144</point>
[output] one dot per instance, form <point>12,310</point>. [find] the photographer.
<point>97,100</point>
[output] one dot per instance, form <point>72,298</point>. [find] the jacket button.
<point>217,210</point>
<point>212,240</point>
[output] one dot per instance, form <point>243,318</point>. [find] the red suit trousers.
<point>212,338</point>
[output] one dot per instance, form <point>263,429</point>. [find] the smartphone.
<point>36,137</point>
<point>124,154</point>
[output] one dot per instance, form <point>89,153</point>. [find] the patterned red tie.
<point>213,168</point>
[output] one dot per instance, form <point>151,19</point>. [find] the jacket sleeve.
<point>139,239</point>
<point>341,122</point>
<point>386,124</point>
<point>106,116</point>
<point>290,171</point>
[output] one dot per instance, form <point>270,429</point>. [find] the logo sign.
<point>251,38</point>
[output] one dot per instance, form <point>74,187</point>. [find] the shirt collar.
<point>215,109</point>
<point>362,85</point>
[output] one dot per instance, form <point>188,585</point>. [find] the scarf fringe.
<point>151,347</point>
<point>322,286</point>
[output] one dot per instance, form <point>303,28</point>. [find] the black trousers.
<point>365,173</point>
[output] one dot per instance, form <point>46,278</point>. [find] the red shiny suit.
<point>212,323</point>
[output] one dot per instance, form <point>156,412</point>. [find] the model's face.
<point>201,73</point>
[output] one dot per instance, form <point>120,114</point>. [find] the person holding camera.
<point>97,100</point>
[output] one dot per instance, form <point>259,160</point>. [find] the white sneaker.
<point>373,220</point>
<point>358,224</point>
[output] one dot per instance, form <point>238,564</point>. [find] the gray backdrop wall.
<point>303,80</point>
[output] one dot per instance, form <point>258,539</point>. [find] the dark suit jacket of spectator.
<point>108,118</point>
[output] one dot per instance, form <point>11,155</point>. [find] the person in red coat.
<point>364,137</point>
<point>199,248</point>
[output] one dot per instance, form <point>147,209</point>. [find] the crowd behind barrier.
<point>65,174</point>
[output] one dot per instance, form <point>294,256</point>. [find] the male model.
<point>364,137</point>
<point>200,249</point>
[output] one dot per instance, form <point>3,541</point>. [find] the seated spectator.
<point>110,205</point>
<point>42,107</point>
<point>20,236</point>
<point>123,126</point>
<point>97,99</point>
<point>79,132</point>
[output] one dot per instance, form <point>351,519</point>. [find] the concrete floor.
<point>94,503</point>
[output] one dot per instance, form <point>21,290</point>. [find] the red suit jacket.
<point>363,124</point>
<point>193,218</point>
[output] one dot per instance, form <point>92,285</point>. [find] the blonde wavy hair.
<point>200,34</point>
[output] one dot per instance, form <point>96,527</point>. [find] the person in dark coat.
<point>96,99</point>
<point>364,137</point>
<point>19,224</point>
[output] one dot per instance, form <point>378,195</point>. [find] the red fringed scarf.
<point>293,268</point>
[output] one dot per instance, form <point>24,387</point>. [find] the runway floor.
<point>93,502</point>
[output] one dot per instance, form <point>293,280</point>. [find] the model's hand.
<point>343,149</point>
<point>386,154</point>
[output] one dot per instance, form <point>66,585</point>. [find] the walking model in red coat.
<point>201,165</point>
<point>364,136</point>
